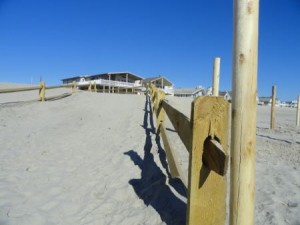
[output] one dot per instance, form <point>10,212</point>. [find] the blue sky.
<point>175,38</point>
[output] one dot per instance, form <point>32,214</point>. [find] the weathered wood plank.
<point>207,189</point>
<point>9,90</point>
<point>180,123</point>
<point>173,162</point>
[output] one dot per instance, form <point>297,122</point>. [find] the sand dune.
<point>94,158</point>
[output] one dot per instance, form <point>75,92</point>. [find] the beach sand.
<point>94,158</point>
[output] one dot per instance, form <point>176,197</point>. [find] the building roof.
<point>134,76</point>
<point>152,79</point>
<point>265,99</point>
<point>187,91</point>
<point>223,93</point>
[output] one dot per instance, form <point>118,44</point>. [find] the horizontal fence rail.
<point>205,136</point>
<point>42,90</point>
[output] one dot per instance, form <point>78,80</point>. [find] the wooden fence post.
<point>216,76</point>
<point>207,189</point>
<point>298,112</point>
<point>243,127</point>
<point>90,87</point>
<point>73,87</point>
<point>42,91</point>
<point>160,111</point>
<point>273,107</point>
<point>95,86</point>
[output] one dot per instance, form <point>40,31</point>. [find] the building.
<point>226,95</point>
<point>107,80</point>
<point>189,92</point>
<point>161,83</point>
<point>268,101</point>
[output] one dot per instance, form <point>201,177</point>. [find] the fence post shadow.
<point>152,187</point>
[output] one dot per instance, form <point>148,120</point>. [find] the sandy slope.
<point>86,159</point>
<point>94,158</point>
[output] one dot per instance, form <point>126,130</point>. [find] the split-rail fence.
<point>205,136</point>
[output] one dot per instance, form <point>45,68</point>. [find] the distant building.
<point>161,83</point>
<point>115,79</point>
<point>226,95</point>
<point>267,101</point>
<point>189,92</point>
<point>264,100</point>
<point>292,104</point>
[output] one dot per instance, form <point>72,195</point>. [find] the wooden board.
<point>180,123</point>
<point>207,189</point>
<point>173,162</point>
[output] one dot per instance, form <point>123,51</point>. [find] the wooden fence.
<point>42,90</point>
<point>205,136</point>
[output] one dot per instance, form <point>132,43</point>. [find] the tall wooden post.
<point>273,107</point>
<point>243,133</point>
<point>109,84</point>
<point>42,91</point>
<point>73,87</point>
<point>216,76</point>
<point>90,87</point>
<point>95,86</point>
<point>298,112</point>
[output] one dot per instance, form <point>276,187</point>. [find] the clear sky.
<point>55,39</point>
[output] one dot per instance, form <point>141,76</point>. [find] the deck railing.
<point>205,136</point>
<point>108,83</point>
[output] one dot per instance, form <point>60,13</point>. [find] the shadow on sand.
<point>152,187</point>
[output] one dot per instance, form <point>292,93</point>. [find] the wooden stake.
<point>73,87</point>
<point>243,133</point>
<point>95,86</point>
<point>90,87</point>
<point>42,91</point>
<point>273,107</point>
<point>298,112</point>
<point>216,76</point>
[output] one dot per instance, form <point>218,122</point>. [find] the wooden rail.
<point>42,90</point>
<point>205,136</point>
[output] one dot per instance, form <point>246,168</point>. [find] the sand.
<point>94,158</point>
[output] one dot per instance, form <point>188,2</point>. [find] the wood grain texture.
<point>243,125</point>
<point>207,189</point>
<point>180,123</point>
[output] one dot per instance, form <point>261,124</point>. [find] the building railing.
<point>205,137</point>
<point>108,83</point>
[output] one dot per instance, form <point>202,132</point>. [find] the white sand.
<point>93,158</point>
